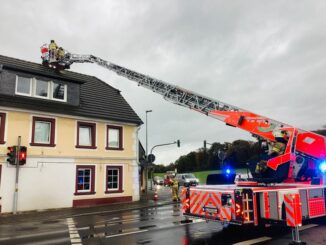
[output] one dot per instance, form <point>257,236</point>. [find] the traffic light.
<point>205,144</point>
<point>22,155</point>
<point>178,143</point>
<point>11,155</point>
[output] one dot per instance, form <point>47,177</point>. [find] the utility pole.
<point>205,152</point>
<point>146,167</point>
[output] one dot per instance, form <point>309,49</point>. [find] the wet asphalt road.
<point>130,224</point>
<point>158,225</point>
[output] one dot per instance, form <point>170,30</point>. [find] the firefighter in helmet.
<point>276,148</point>
<point>175,188</point>
<point>53,50</point>
<point>61,53</point>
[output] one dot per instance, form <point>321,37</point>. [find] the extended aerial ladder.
<point>290,192</point>
<point>304,151</point>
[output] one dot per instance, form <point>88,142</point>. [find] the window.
<point>113,179</point>
<point>2,127</point>
<point>86,135</point>
<point>114,138</point>
<point>23,85</point>
<point>41,89</point>
<point>43,131</point>
<point>85,180</point>
<point>59,91</point>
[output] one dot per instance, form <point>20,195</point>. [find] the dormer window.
<point>42,88</point>
<point>51,90</point>
<point>59,91</point>
<point>24,86</point>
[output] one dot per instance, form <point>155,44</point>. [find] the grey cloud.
<point>265,56</point>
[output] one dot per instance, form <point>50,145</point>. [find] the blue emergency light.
<point>322,167</point>
<point>227,170</point>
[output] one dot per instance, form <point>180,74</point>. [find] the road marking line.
<point>125,234</point>
<point>74,235</point>
<point>302,228</point>
<point>254,241</point>
<point>74,240</point>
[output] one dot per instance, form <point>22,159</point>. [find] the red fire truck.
<point>288,189</point>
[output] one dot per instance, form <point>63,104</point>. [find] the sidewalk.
<point>164,198</point>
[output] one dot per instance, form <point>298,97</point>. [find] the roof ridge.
<point>40,65</point>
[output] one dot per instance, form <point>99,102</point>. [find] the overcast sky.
<point>265,56</point>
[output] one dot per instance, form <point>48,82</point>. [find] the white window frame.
<point>65,92</point>
<point>32,89</point>
<point>30,86</point>
<point>35,86</point>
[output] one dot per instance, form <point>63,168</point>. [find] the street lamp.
<point>147,132</point>
<point>146,153</point>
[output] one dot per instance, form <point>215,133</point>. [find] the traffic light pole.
<point>17,175</point>
<point>175,142</point>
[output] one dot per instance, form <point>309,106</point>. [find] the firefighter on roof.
<point>53,50</point>
<point>61,53</point>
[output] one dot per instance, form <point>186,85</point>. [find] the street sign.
<point>151,158</point>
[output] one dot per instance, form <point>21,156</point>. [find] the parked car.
<point>187,179</point>
<point>158,180</point>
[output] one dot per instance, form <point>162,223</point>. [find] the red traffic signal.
<point>22,155</point>
<point>11,155</point>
